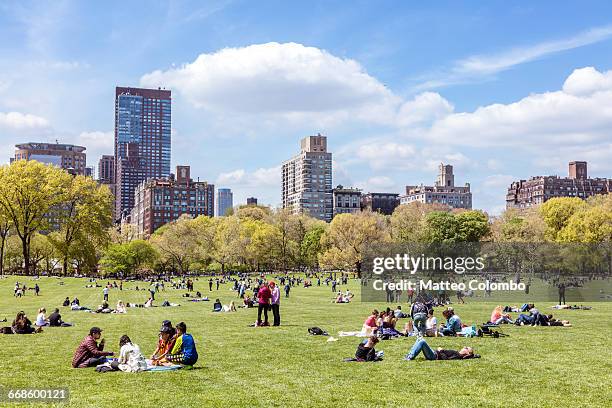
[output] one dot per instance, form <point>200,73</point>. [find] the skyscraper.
<point>307,179</point>
<point>142,141</point>
<point>225,201</point>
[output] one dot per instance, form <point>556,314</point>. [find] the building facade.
<point>307,180</point>
<point>443,192</point>
<point>160,201</point>
<point>346,200</point>
<point>384,203</point>
<point>106,169</point>
<point>142,141</point>
<point>225,201</point>
<point>539,189</point>
<point>251,201</point>
<point>66,156</point>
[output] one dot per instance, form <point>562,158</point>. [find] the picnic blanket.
<point>151,367</point>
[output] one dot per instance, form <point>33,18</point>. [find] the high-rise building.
<point>443,192</point>
<point>384,203</point>
<point>66,156</point>
<point>539,189</point>
<point>159,201</point>
<point>346,200</point>
<point>142,141</point>
<point>251,201</point>
<point>106,169</point>
<point>307,180</point>
<point>225,201</point>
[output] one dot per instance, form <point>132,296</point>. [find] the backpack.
<point>419,307</point>
<point>317,331</point>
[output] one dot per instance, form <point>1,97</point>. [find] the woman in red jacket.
<point>263,300</point>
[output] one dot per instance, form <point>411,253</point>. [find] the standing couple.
<point>268,296</point>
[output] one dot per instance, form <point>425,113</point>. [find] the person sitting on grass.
<point>453,323</point>
<point>431,324</point>
<point>89,353</point>
<point>23,325</point>
<point>120,307</point>
<point>66,301</point>
<point>217,306</point>
<point>440,354</point>
<point>55,319</point>
<point>130,359</point>
<point>371,323</point>
<point>399,314</point>
<point>184,350</point>
<point>498,317</point>
<point>149,302</point>
<point>365,350</point>
<point>41,319</point>
<point>166,341</point>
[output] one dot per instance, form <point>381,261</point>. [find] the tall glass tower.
<point>142,141</point>
<point>225,201</point>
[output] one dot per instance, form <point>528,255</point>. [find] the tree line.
<point>51,220</point>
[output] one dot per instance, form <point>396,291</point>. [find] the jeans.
<point>421,345</point>
<point>93,361</point>
<point>419,322</point>
<point>260,307</point>
<point>152,292</point>
<point>276,313</point>
<point>447,331</point>
<point>502,320</point>
<point>526,319</point>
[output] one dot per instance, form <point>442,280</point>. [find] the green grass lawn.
<point>245,366</point>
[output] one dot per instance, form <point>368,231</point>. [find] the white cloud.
<point>377,184</point>
<point>477,67</point>
<point>498,181</point>
<point>543,120</point>
<point>262,177</point>
<point>279,79</point>
<point>386,155</point>
<point>424,109</point>
<point>586,81</point>
<point>20,121</point>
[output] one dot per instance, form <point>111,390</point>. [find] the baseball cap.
<point>165,329</point>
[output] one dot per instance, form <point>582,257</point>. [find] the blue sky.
<point>501,91</point>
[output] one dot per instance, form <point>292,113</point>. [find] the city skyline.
<point>515,93</point>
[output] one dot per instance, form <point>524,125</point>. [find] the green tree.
<point>29,194</point>
<point>441,227</point>
<point>472,226</point>
<point>311,247</point>
<point>408,221</point>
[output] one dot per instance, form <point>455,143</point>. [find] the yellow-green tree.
<point>557,212</point>
<point>29,193</point>
<point>408,221</point>
<point>347,238</point>
<point>177,242</point>
<point>84,217</point>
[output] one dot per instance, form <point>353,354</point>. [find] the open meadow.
<point>284,366</point>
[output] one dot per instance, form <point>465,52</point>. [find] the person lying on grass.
<point>89,353</point>
<point>365,350</point>
<point>439,354</point>
<point>184,351</point>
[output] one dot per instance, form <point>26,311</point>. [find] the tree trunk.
<point>26,255</point>
<point>2,254</point>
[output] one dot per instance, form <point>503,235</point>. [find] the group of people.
<point>174,347</point>
<point>268,297</point>
<point>23,325</point>
<point>20,290</point>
